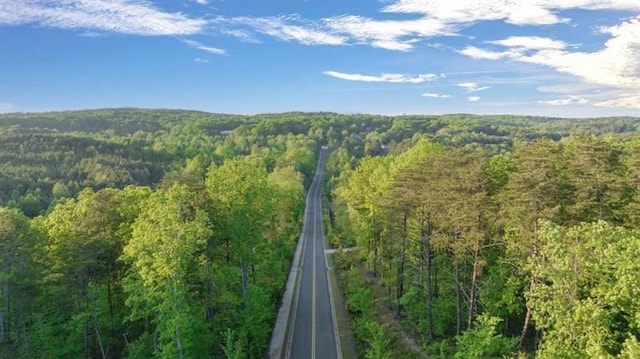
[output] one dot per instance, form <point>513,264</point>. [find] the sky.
<point>566,58</point>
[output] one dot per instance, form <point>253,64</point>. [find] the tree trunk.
<point>473,301</point>
<point>176,310</point>
<point>156,347</point>
<point>244,279</point>
<point>27,347</point>
<point>97,331</point>
<point>426,234</point>
<point>527,319</point>
<point>96,327</point>
<point>179,343</point>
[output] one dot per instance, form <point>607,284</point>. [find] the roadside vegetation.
<point>161,233</point>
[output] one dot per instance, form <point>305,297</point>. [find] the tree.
<point>536,191</point>
<point>482,342</point>
<point>167,257</point>
<point>242,199</point>
<point>597,175</point>
<point>17,282</point>
<point>85,238</point>
<point>244,203</point>
<point>586,295</point>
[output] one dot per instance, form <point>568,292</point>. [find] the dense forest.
<point>165,233</point>
<point>483,254</point>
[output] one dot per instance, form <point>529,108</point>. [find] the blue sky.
<point>569,58</point>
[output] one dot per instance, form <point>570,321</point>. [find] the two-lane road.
<point>313,331</point>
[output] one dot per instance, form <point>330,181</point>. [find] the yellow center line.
<point>313,290</point>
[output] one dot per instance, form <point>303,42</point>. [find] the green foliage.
<point>360,301</point>
<point>378,342</point>
<point>232,348</point>
<point>482,342</point>
<point>587,296</point>
<point>446,214</point>
<point>167,254</point>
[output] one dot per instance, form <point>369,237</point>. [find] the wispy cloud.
<point>286,28</point>
<point>399,35</point>
<point>518,12</point>
<point>473,98</point>
<point>433,18</point>
<point>435,95</point>
<point>624,100</point>
<point>392,78</point>
<point>199,60</point>
<point>472,87</point>
<point>478,53</point>
<point>209,49</point>
<point>569,100</point>
<point>241,35</point>
<point>133,17</point>
<point>530,43</point>
<point>202,2</point>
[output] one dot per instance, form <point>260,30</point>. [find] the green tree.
<point>17,282</point>
<point>598,176</point>
<point>586,295</point>
<point>167,257</point>
<point>482,342</point>
<point>242,198</point>
<point>537,190</point>
<point>85,237</point>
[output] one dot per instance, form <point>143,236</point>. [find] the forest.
<point>169,233</point>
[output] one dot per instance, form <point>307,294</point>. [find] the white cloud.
<point>530,43</point>
<point>132,17</point>
<point>432,18</point>
<point>569,100</point>
<point>473,98</point>
<point>199,60</point>
<point>202,2</point>
<point>615,65</point>
<point>624,100</point>
<point>518,12</point>
<point>392,78</point>
<point>240,34</point>
<point>435,95</point>
<point>209,49</point>
<point>569,88</point>
<point>478,53</point>
<point>472,87</point>
<point>400,35</point>
<point>287,28</point>
<point>478,10</point>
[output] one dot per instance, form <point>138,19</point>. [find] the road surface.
<point>313,333</point>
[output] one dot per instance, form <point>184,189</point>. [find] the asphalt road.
<point>313,333</point>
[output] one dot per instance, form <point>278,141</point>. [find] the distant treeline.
<point>72,150</point>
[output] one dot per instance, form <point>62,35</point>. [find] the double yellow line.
<point>313,288</point>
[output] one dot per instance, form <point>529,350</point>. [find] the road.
<point>313,332</point>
